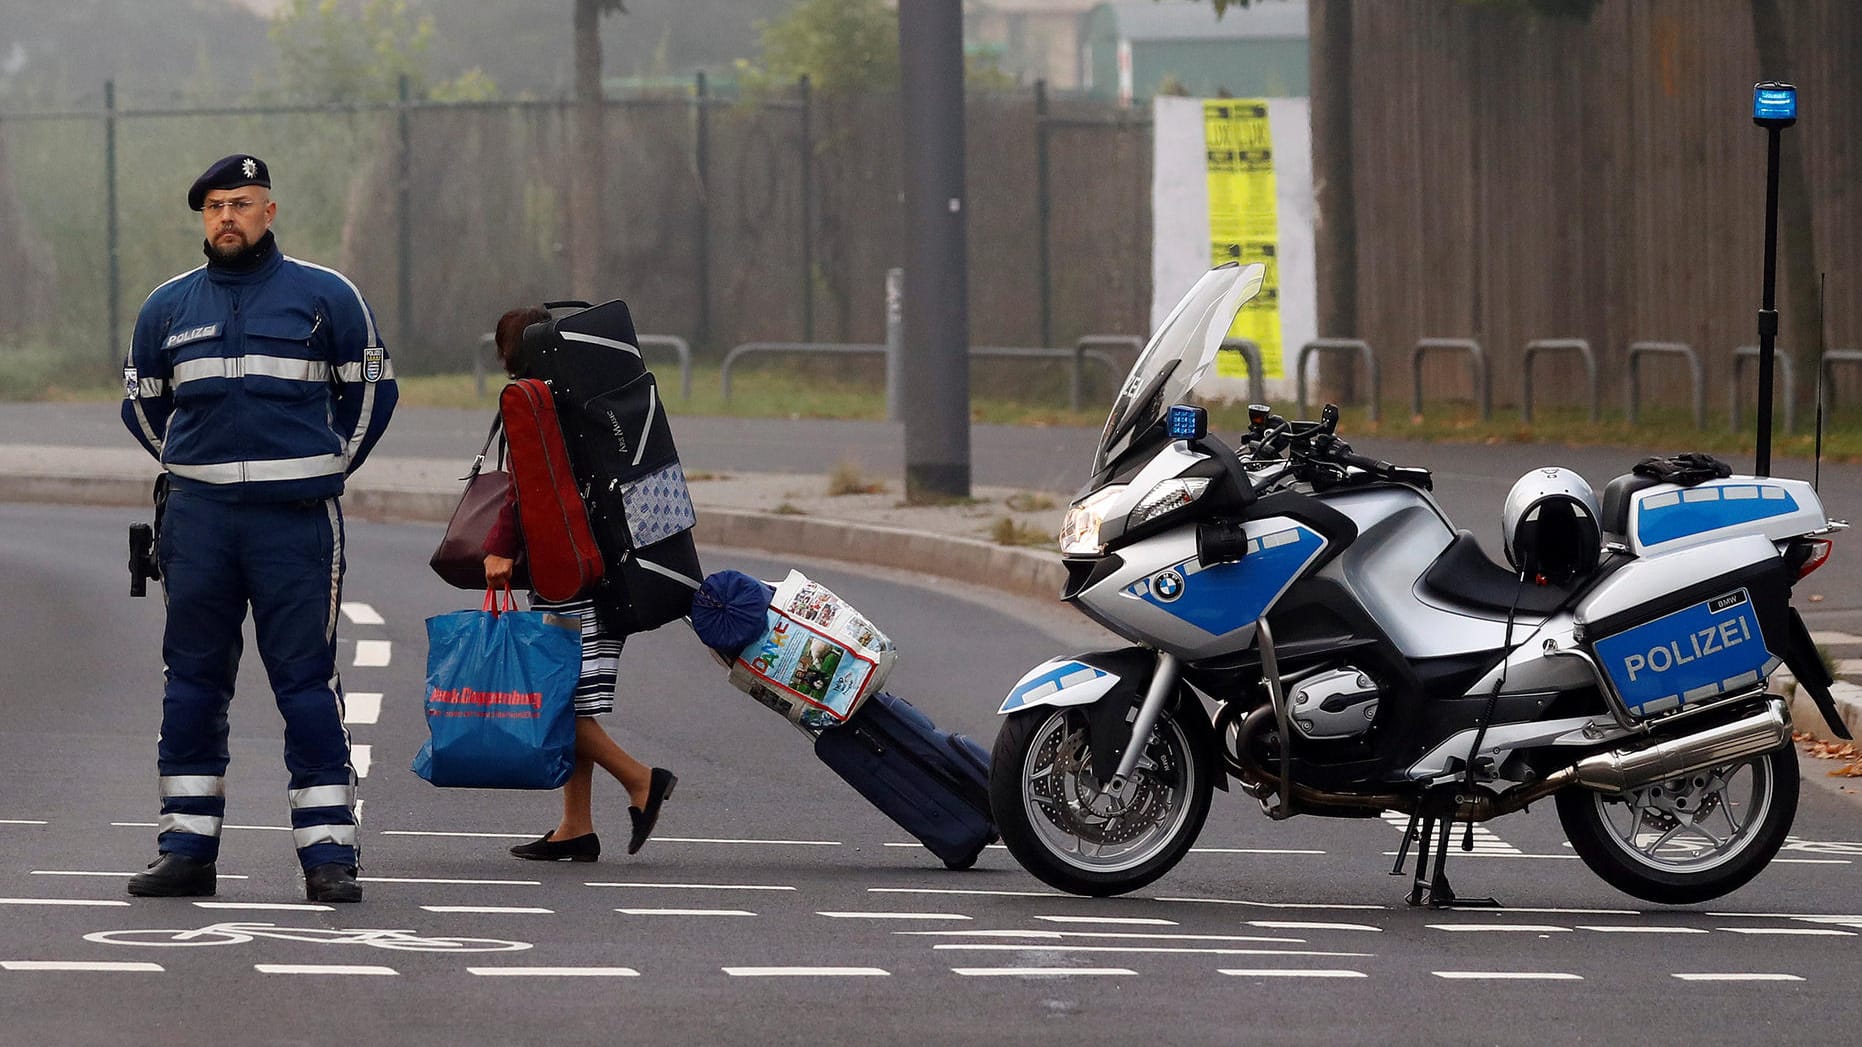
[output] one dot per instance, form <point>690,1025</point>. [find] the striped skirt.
<point>601,654</point>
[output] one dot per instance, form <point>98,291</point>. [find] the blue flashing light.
<point>1774,103</point>
<point>1188,422</point>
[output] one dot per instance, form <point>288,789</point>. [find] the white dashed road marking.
<point>806,972</point>
<point>1273,972</point>
<point>1829,932</point>
<point>471,836</point>
<point>894,915</point>
<point>554,972</point>
<point>361,614</point>
<point>1304,925</point>
<point>1630,929</point>
<point>754,843</point>
<point>959,890</point>
<point>1272,905</point>
<point>1739,977</point>
<point>267,906</point>
<point>1144,920</point>
<point>21,821</point>
<point>1037,972</point>
<point>1508,976</point>
<point>1122,935</point>
<point>373,653</point>
<point>1517,928</point>
<point>1148,948</point>
<point>473,883</point>
<point>321,968</point>
<point>360,757</point>
<point>361,707</point>
<point>530,909</point>
<point>95,902</point>
<point>699,886</point>
<point>686,912</point>
<point>74,965</point>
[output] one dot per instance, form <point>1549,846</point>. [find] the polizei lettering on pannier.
<point>1688,656</point>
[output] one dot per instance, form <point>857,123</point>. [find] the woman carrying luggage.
<point>574,838</point>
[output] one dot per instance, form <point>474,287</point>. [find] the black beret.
<point>228,173</point>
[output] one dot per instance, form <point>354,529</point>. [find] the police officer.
<point>260,382</point>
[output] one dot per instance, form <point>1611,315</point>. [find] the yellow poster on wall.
<point>1243,221</point>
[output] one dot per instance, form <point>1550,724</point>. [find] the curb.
<point>1018,571</point>
<point>1806,717</point>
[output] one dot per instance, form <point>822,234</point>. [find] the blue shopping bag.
<point>500,698</point>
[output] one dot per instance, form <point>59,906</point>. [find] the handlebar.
<point>1320,456</point>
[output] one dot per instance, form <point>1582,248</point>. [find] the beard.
<point>229,249</point>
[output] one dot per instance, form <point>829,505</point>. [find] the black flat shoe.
<point>583,848</point>
<point>174,876</point>
<point>332,882</point>
<point>658,789</point>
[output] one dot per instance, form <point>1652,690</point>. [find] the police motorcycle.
<point>1306,621</point>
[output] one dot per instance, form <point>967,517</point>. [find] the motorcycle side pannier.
<point>1679,631</point>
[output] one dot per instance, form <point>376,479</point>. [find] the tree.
<point>331,51</point>
<point>587,170</point>
<point>844,47</point>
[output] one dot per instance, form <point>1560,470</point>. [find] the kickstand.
<point>1431,890</point>
<point>1409,837</point>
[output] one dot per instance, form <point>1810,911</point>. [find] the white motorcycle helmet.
<point>1550,526</point>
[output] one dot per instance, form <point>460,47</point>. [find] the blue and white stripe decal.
<point>1673,515</point>
<point>1221,598</point>
<point>1048,680</point>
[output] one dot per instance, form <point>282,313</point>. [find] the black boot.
<point>173,875</point>
<point>332,883</point>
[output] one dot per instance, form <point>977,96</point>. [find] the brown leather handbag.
<point>460,558</point>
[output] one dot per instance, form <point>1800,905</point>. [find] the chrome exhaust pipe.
<point>1624,769</point>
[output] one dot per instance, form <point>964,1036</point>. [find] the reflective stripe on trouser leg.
<point>205,593</point>
<point>295,572</point>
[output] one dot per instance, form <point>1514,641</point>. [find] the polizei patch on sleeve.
<point>131,385</point>
<point>192,334</point>
<point>372,360</point>
<point>1688,656</point>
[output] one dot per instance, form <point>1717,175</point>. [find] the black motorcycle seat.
<point>1617,495</point>
<point>1463,578</point>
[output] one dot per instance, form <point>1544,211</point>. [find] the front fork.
<point>1163,684</point>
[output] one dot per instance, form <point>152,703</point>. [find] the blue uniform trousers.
<point>285,561</point>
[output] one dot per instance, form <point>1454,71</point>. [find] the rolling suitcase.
<point>933,783</point>
<point>564,560</point>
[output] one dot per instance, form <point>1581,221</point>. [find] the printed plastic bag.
<point>500,698</point>
<point>817,658</point>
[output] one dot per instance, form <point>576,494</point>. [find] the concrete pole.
<point>937,326</point>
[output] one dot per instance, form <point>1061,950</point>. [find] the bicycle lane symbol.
<point>240,933</point>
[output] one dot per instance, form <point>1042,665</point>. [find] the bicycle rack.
<point>1096,341</point>
<point>1637,350</point>
<point>1339,345</point>
<point>1787,370</point>
<point>1836,356</point>
<point>1547,345</point>
<point>1477,371</point>
<point>1257,373</point>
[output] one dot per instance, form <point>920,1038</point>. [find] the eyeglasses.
<point>219,207</point>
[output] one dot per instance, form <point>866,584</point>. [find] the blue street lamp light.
<point>1774,107</point>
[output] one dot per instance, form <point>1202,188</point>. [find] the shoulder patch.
<point>372,363</point>
<point>131,385</point>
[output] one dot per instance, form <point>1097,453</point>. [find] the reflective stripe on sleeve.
<point>148,429</point>
<point>311,835</point>
<point>151,387</point>
<point>324,796</point>
<point>275,469</point>
<point>192,824</point>
<point>193,785</point>
<point>353,372</point>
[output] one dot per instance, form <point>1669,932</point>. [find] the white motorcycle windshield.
<point>1178,356</point>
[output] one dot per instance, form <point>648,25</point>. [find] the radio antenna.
<point>1816,466</point>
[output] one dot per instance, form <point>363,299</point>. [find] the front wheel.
<point>1061,827</point>
<point>1690,838</point>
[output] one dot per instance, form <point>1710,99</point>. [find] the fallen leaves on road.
<point>1833,751</point>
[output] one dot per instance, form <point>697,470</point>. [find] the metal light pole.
<point>1774,107</point>
<point>937,319</point>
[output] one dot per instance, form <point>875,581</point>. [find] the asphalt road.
<point>776,907</point>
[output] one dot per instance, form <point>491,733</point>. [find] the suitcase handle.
<point>568,303</point>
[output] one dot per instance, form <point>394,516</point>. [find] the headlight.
<point>1166,496</point>
<point>1079,532</point>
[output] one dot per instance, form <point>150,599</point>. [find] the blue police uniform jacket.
<point>269,384</point>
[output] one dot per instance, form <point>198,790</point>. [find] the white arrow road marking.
<point>373,653</point>
<point>554,972</point>
<point>806,972</point>
<point>361,707</point>
<point>361,614</point>
<point>321,968</point>
<point>75,965</point>
<point>1037,972</point>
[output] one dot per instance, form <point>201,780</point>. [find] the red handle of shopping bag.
<point>492,603</point>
